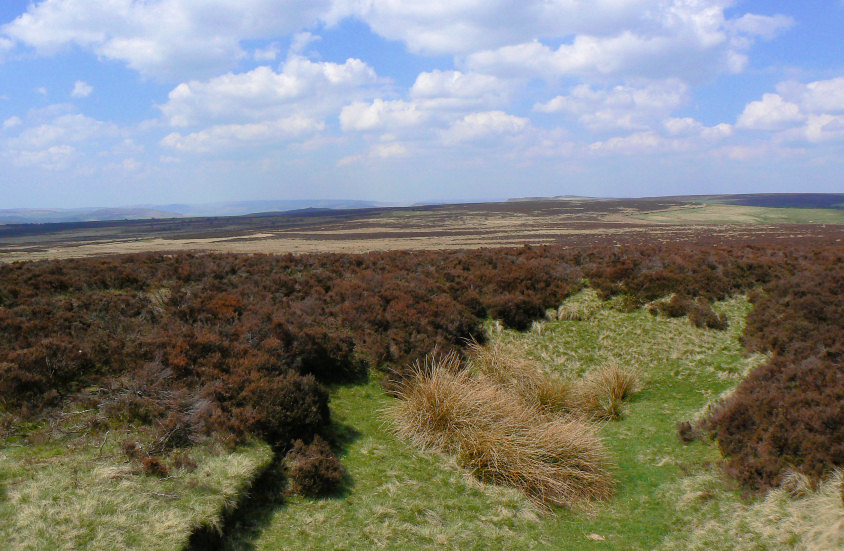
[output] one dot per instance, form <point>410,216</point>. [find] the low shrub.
<point>675,307</point>
<point>515,311</point>
<point>154,466</point>
<point>783,415</point>
<point>703,316</point>
<point>281,409</point>
<point>313,469</point>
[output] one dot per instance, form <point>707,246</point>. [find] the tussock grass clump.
<point>500,438</point>
<point>603,390</point>
<point>513,369</point>
<point>580,307</point>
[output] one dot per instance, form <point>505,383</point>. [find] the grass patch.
<point>740,214</point>
<point>399,498</point>
<point>795,516</point>
<point>83,492</point>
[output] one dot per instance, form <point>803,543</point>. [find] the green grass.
<point>715,213</point>
<point>401,498</point>
<point>79,491</point>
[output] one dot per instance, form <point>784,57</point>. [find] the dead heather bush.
<point>703,316</point>
<point>601,393</point>
<point>154,466</point>
<point>555,461</point>
<point>512,369</point>
<point>675,307</point>
<point>313,469</point>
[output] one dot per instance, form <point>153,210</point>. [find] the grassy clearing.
<point>81,492</point>
<point>739,214</point>
<point>397,497</point>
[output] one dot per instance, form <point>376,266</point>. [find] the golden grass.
<point>602,391</point>
<point>513,369</point>
<point>499,437</point>
<point>797,515</point>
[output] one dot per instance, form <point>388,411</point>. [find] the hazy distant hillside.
<point>40,216</point>
<point>141,212</point>
<point>237,208</point>
<point>785,200</point>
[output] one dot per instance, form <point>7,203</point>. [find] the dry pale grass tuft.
<point>602,391</point>
<point>796,515</point>
<point>500,438</point>
<point>512,369</point>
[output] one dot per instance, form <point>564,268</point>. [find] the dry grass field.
<point>573,222</point>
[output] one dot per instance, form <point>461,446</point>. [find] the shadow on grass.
<point>244,523</point>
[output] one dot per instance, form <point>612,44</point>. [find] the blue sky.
<point>121,102</point>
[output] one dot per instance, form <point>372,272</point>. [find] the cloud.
<point>165,39</point>
<point>302,86</point>
<point>6,45</point>
<point>821,128</point>
<point>771,113</point>
<point>684,135</point>
<point>81,89</point>
<point>270,53</point>
<point>57,157</point>
<point>11,122</point>
<point>229,136</point>
<point>689,127</point>
<point>476,126</point>
<point>377,152</point>
<point>638,143</point>
<point>63,129</point>
<point>55,137</point>
<point>455,90</point>
<point>822,96</point>
<point>763,26</point>
<point>812,112</point>
<point>624,106</point>
<point>655,38</point>
<point>179,39</point>
<point>380,114</point>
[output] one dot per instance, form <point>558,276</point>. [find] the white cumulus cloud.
<point>166,39</point>
<point>12,122</point>
<point>821,96</point>
<point>81,89</point>
<point>380,114</point>
<point>772,112</point>
<point>623,106</point>
<point>227,136</point>
<point>301,85</point>
<point>483,125</point>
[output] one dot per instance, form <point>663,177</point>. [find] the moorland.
<point>634,374</point>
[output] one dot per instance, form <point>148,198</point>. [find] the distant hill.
<point>787,200</point>
<point>41,216</point>
<point>146,212</point>
<point>773,200</point>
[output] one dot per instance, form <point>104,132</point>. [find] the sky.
<point>127,102</point>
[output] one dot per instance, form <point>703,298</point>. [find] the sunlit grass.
<point>401,498</point>
<point>78,491</point>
